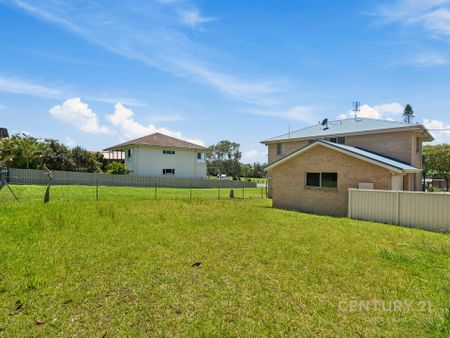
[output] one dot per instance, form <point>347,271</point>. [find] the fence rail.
<point>428,211</point>
<point>39,177</point>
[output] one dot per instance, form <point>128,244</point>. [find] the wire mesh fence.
<point>31,185</point>
<point>25,192</point>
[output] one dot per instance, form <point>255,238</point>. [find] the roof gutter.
<point>376,131</point>
<point>361,157</point>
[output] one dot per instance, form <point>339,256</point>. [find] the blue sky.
<point>96,73</point>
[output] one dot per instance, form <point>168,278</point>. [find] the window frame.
<point>200,159</point>
<point>320,186</point>
<point>168,152</point>
<point>280,148</point>
<point>313,173</point>
<point>129,153</point>
<point>168,171</point>
<point>418,145</point>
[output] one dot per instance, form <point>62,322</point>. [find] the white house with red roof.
<point>160,155</point>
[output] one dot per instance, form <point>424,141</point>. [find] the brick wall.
<point>288,181</point>
<point>400,145</point>
<point>289,147</point>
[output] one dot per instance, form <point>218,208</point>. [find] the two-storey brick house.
<point>311,169</point>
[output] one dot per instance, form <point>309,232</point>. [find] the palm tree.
<point>29,149</point>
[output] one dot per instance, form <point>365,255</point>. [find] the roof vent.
<point>325,124</point>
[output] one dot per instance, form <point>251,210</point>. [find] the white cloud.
<point>122,120</point>
<point>193,17</point>
<point>432,16</point>
<point>20,86</point>
<point>149,36</point>
<point>297,113</point>
<point>79,115</point>
<point>254,155</point>
<point>427,59</point>
<point>70,142</point>
<point>125,100</point>
<point>439,129</point>
<point>387,111</point>
<point>250,154</point>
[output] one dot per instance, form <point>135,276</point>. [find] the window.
<point>321,180</point>
<point>418,145</point>
<point>168,171</point>
<point>169,152</point>
<point>340,140</point>
<point>313,179</point>
<point>280,148</point>
<point>129,152</point>
<point>329,180</point>
<point>200,157</point>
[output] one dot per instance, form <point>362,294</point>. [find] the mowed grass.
<point>80,267</point>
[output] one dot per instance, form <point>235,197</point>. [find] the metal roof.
<point>352,151</point>
<point>347,126</point>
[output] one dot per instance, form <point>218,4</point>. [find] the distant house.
<point>312,169</point>
<point>160,155</point>
<point>111,156</point>
<point>3,133</point>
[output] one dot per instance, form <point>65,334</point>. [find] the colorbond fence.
<point>428,211</point>
<point>39,177</point>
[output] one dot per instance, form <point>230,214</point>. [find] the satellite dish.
<point>325,122</point>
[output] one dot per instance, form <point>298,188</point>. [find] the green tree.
<point>224,158</point>
<point>258,170</point>
<point>437,161</point>
<point>408,113</point>
<point>117,168</point>
<point>84,160</point>
<point>21,151</point>
<point>246,170</point>
<point>58,156</point>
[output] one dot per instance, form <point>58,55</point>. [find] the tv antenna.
<point>3,182</point>
<point>356,105</point>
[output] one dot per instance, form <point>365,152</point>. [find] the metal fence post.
<point>243,191</point>
<point>96,189</point>
<point>190,192</point>
<point>218,193</point>
<point>156,190</point>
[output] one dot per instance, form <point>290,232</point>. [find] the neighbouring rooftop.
<point>352,151</point>
<point>157,140</point>
<point>349,126</point>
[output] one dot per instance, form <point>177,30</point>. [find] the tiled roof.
<point>347,126</point>
<point>352,151</point>
<point>158,140</point>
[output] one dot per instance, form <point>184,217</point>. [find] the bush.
<point>117,168</point>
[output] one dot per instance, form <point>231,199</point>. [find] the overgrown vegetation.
<point>123,267</point>
<point>25,151</point>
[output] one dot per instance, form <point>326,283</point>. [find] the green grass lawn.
<point>122,266</point>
